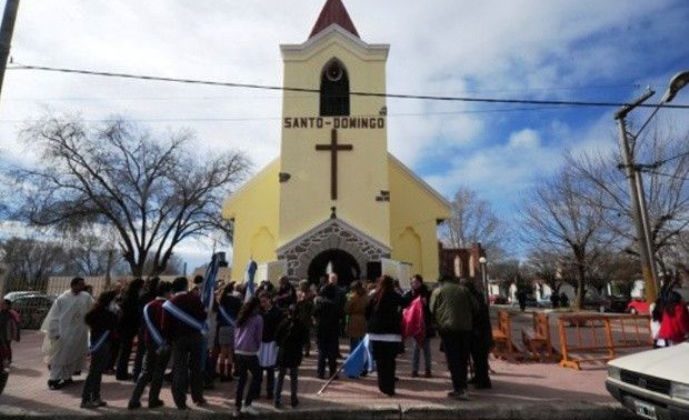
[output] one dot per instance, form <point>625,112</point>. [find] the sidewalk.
<point>520,391</point>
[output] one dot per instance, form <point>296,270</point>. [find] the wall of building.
<point>414,212</point>
<point>254,209</point>
<point>305,198</point>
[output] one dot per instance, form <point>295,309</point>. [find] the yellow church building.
<point>336,199</point>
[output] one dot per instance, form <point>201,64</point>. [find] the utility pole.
<point>6,30</point>
<point>638,200</point>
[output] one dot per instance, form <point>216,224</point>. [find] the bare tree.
<point>556,217</point>
<point>153,190</point>
<point>29,262</point>
<point>545,265</point>
<point>473,221</point>
<point>92,251</point>
<point>664,156</point>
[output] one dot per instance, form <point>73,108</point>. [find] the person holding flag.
<point>418,323</point>
<point>157,351</point>
<point>183,325</point>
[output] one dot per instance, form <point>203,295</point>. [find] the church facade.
<point>336,198</point>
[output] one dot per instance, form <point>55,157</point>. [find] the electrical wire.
<point>362,94</point>
<point>260,119</point>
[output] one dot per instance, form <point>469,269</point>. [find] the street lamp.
<point>484,277</point>
<point>633,172</point>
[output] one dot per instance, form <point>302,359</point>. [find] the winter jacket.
<point>453,308</point>
<point>355,308</point>
<point>385,317</point>
<point>675,324</point>
<point>290,336</point>
<point>247,337</point>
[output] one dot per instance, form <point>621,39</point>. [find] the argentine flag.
<point>249,280</point>
<point>360,360</point>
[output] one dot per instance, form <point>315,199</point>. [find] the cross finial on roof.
<point>334,12</point>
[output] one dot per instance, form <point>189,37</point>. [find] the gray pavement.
<point>521,391</point>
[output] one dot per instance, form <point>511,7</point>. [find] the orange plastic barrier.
<point>597,338</point>
<point>502,336</point>
<point>538,342</point>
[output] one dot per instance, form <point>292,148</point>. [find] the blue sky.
<point>580,50</point>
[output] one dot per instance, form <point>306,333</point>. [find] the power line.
<point>678,177</point>
<point>259,119</point>
<point>364,94</point>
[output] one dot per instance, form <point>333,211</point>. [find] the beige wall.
<point>254,209</point>
<point>415,209</point>
<point>305,200</point>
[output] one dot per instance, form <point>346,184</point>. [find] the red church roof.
<point>333,12</point>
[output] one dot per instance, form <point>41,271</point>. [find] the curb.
<point>521,411</point>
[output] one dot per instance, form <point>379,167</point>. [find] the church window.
<point>334,90</point>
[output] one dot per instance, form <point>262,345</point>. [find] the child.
<point>290,335</point>
<point>102,322</point>
<point>247,340</point>
<point>268,352</point>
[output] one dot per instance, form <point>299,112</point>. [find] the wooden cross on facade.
<point>333,148</point>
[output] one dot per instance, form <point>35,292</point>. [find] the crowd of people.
<point>262,335</point>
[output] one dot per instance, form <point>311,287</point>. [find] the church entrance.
<point>340,262</point>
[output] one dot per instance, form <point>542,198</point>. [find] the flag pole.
<point>327,384</point>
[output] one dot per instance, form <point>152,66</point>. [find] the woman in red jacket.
<point>674,326</point>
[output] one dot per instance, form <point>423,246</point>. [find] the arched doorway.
<point>343,264</point>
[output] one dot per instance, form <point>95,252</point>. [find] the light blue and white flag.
<point>210,279</point>
<point>360,360</point>
<point>249,280</point>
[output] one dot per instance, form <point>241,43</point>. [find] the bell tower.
<point>334,140</point>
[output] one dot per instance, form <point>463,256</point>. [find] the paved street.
<point>526,386</point>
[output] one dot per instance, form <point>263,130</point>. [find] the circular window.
<point>334,72</point>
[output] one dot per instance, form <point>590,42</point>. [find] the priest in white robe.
<point>66,334</point>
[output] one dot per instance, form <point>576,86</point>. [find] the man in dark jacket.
<point>453,309</point>
<point>185,337</point>
<point>481,339</point>
<point>327,315</point>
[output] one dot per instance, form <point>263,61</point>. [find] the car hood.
<point>665,363</point>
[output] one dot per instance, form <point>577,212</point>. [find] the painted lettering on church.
<point>338,123</point>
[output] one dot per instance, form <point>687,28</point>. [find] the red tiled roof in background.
<point>333,12</point>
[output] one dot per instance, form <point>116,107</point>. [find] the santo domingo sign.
<point>335,122</point>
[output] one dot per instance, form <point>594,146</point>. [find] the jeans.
<point>153,371</point>
<point>141,350</point>
<point>328,345</point>
<point>293,378</point>
<point>126,344</point>
<point>99,361</point>
<point>479,354</point>
<point>457,348</point>
<point>246,364</point>
<point>186,370</point>
<point>416,355</point>
<point>270,381</point>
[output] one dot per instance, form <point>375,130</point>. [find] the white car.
<point>654,384</point>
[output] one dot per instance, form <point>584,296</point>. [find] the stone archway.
<point>334,234</point>
<point>342,263</point>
